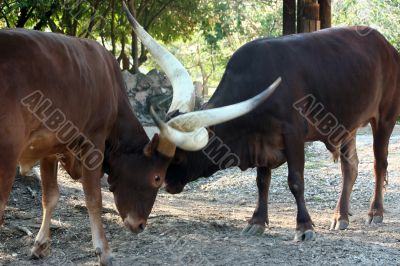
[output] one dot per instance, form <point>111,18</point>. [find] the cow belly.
<point>40,145</point>
<point>260,153</point>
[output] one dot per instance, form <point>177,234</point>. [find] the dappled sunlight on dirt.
<point>202,225</point>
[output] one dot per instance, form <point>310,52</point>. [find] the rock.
<point>155,76</point>
<point>130,80</point>
<point>159,78</point>
<point>155,89</point>
<point>143,82</point>
<point>141,97</point>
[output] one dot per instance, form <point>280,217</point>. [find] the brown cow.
<point>64,100</point>
<point>335,81</point>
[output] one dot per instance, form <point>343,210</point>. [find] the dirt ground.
<point>202,225</point>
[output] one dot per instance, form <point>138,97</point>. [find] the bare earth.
<point>202,225</point>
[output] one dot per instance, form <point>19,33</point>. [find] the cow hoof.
<point>108,261</point>
<point>339,225</point>
<point>374,220</point>
<point>105,258</point>
<point>40,250</point>
<point>253,230</point>
<point>308,235</point>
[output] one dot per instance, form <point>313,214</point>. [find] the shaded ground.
<point>202,225</point>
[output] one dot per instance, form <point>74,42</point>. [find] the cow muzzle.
<point>135,225</point>
<point>174,189</point>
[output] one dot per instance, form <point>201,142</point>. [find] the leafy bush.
<point>383,15</point>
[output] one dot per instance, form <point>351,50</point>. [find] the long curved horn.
<point>205,118</point>
<point>188,131</point>
<point>189,141</point>
<point>183,90</point>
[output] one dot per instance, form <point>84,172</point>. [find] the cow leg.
<point>50,196</point>
<point>349,165</point>
<point>381,132</point>
<point>7,175</point>
<point>10,146</point>
<point>92,188</point>
<point>8,164</point>
<point>256,225</point>
<point>294,150</point>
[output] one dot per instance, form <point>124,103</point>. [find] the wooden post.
<point>289,17</point>
<point>310,17</point>
<point>300,14</point>
<point>325,13</point>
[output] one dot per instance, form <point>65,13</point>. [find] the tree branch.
<point>146,25</point>
<point>45,19</point>
<point>157,14</point>
<point>143,5</point>
<point>92,18</point>
<point>53,26</point>
<point>3,14</point>
<point>24,16</point>
<point>113,27</point>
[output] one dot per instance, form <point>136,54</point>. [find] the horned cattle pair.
<point>355,77</point>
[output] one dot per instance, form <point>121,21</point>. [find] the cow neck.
<point>127,136</point>
<point>199,165</point>
<point>209,160</point>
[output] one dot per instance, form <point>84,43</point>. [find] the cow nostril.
<point>141,226</point>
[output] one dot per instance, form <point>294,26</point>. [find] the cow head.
<point>134,197</point>
<point>186,131</point>
<point>180,172</point>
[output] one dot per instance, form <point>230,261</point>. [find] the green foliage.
<point>30,12</point>
<point>104,21</point>
<point>202,33</point>
<point>244,20</point>
<point>224,27</point>
<point>384,15</point>
<point>168,20</point>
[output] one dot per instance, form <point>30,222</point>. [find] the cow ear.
<point>151,147</point>
<point>179,158</point>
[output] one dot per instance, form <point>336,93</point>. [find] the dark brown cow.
<point>335,81</point>
<point>64,100</point>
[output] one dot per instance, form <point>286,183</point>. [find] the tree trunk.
<point>143,55</point>
<point>135,48</point>
<point>122,57</point>
<point>24,15</point>
<point>203,71</point>
<point>113,27</point>
<point>289,17</point>
<point>325,13</point>
<point>135,53</point>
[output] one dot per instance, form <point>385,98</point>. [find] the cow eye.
<point>157,178</point>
